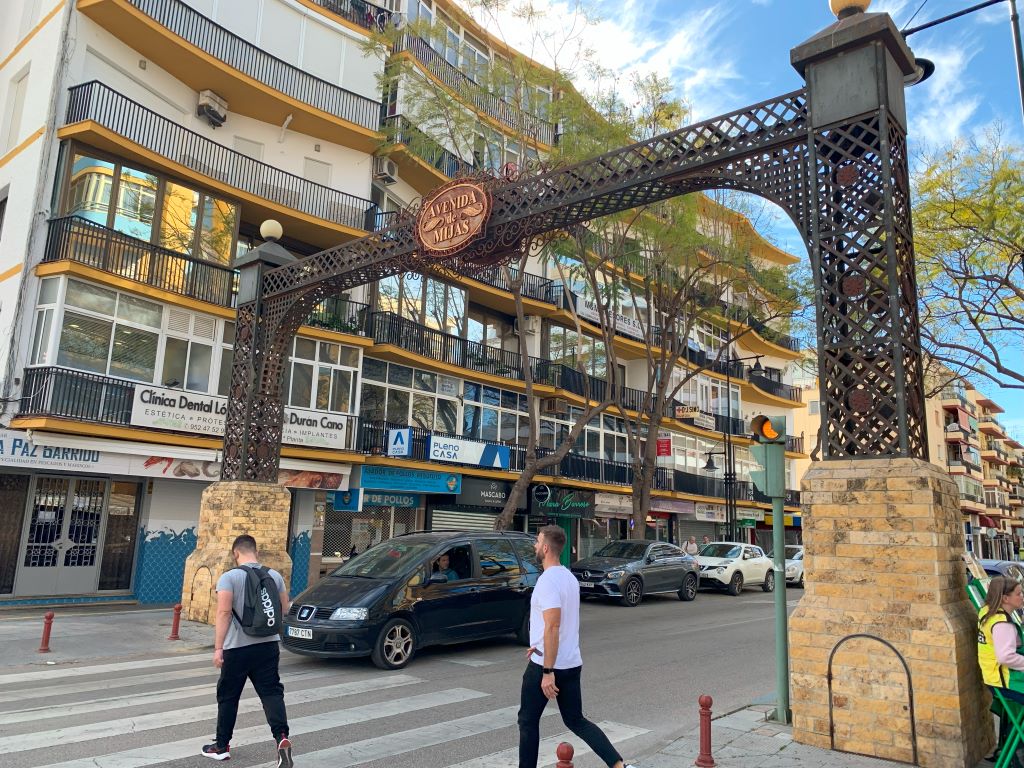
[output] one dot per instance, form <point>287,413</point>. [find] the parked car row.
<point>439,588</point>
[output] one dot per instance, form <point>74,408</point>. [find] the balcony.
<point>534,286</point>
<point>956,433</point>
<point>995,454</point>
<point>358,12</point>
<point>955,398</point>
<point>990,425</point>
<point>73,238</point>
<point>776,388</point>
<point>182,41</point>
<point>469,90</point>
<point>432,164</point>
<point>100,115</point>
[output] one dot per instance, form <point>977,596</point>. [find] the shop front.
<point>90,519</point>
<point>475,507</point>
<point>793,532</point>
<point>564,507</point>
<point>748,520</point>
<point>612,515</point>
<point>680,519</point>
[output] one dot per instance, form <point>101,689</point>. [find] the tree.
<point>969,244</point>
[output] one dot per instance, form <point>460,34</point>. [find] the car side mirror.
<point>651,558</point>
<point>437,578</point>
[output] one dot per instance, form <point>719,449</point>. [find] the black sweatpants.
<point>258,663</point>
<point>570,705</point>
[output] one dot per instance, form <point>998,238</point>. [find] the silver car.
<point>628,570</point>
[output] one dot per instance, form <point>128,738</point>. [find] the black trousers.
<point>257,663</point>
<point>570,705</point>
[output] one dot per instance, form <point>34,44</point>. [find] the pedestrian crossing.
<point>160,711</point>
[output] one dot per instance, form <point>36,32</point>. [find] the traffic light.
<point>770,452</point>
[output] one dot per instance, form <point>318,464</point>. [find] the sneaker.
<point>217,753</point>
<point>284,754</point>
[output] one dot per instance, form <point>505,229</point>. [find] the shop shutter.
<point>696,528</point>
<point>454,520</point>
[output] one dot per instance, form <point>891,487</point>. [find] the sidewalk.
<point>745,739</point>
<point>82,633</point>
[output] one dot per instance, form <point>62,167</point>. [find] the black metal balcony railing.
<point>958,395</point>
<point>251,60</point>
<point>459,82</point>
<point>768,333</point>
<point>340,314</point>
<point>401,131</point>
<point>140,125</point>
<point>86,242</point>
<point>366,15</point>
<point>990,419</point>
<point>534,286</point>
<point>795,444</point>
<point>89,397</point>
<point>785,391</point>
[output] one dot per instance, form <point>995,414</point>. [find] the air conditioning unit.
<point>530,325</point>
<point>385,169</point>
<point>212,108</point>
<point>555,405</point>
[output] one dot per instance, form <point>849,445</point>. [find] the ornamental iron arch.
<point>845,185</point>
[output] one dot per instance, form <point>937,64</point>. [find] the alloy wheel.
<point>398,644</point>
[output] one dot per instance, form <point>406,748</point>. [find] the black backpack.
<point>261,616</point>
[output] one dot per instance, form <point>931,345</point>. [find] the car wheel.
<point>632,593</point>
<point>523,633</point>
<point>688,590</point>
<point>769,582</point>
<point>395,645</point>
<point>736,584</point>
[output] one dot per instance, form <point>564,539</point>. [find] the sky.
<point>726,54</point>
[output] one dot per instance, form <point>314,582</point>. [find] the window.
<point>323,376</point>
<point>409,396</point>
<point>249,148</point>
<point>495,414</point>
<point>497,559</point>
<point>814,407</point>
<point>136,203</point>
<point>316,171</point>
<point>17,90</point>
<point>427,301</point>
<point>527,555</point>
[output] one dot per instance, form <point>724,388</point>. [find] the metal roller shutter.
<point>454,520</point>
<point>697,528</point>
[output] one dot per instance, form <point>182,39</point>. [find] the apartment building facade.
<point>143,144</point>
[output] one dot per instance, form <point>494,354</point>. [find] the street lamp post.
<point>727,453</point>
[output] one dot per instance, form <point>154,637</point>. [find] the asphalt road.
<point>644,668</point>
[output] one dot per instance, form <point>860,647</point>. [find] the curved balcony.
<point>358,12</point>
<point>204,55</point>
<point>467,88</point>
<point>423,162</point>
<point>84,242</point>
<point>776,388</point>
<point>99,115</point>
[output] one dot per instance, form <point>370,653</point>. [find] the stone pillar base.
<point>230,508</point>
<point>882,554</point>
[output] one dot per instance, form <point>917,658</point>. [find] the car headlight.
<point>350,614</point>
<point>791,571</point>
<point>614,574</point>
<point>720,569</point>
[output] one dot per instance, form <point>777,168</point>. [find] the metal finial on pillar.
<point>844,8</point>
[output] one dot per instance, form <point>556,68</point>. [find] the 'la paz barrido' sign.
<point>199,414</point>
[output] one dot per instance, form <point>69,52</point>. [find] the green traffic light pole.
<point>770,453</point>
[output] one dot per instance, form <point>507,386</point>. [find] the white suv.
<point>730,565</point>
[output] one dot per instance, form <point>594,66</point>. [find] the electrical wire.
<point>922,5</point>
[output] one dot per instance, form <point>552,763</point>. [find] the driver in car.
<point>443,566</point>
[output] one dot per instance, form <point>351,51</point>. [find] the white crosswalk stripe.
<point>78,733</point>
<point>509,758</point>
<point>49,691</point>
<point>159,753</point>
<point>60,672</point>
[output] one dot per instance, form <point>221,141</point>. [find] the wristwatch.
<point>548,670</point>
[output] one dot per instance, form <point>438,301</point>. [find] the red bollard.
<point>175,623</point>
<point>44,644</point>
<point>704,759</point>
<point>564,753</point>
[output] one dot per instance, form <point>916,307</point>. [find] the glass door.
<point>60,553</point>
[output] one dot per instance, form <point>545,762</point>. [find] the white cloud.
<point>942,107</point>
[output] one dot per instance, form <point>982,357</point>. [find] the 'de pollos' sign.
<point>199,414</point>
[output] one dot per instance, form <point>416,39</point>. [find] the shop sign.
<point>400,442</point>
<point>790,521</point>
<point>628,326</point>
<point>696,416</point>
<point>664,446</point>
<point>459,451</point>
<point>356,499</point>
<point>415,480</point>
<point>568,502</point>
<point>745,522</point>
<point>451,217</point>
<point>477,492</point>
<point>757,514</point>
<point>709,513</point>
<point>671,505</point>
<point>613,503</point>
<point>199,414</point>
<point>687,412</point>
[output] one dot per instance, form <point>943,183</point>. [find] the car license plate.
<point>588,584</point>
<point>301,632</point>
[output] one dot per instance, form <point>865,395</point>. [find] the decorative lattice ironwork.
<point>846,189</point>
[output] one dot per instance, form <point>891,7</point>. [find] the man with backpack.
<point>251,604</point>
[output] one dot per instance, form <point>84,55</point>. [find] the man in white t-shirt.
<point>555,661</point>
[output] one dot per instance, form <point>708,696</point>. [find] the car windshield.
<point>799,555</point>
<point>629,550</point>
<point>792,552</point>
<point>387,559</point>
<point>720,550</point>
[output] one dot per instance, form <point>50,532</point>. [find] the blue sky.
<point>725,54</point>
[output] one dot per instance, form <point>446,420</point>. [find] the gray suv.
<point>628,570</point>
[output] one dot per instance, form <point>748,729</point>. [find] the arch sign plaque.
<point>452,217</point>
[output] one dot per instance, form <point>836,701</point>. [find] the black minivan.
<point>416,590</point>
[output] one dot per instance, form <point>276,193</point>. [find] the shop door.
<point>60,550</point>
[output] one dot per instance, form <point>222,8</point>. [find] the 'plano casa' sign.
<point>452,216</point>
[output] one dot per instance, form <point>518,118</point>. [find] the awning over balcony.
<point>986,522</point>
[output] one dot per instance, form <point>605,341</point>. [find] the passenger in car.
<point>443,566</point>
